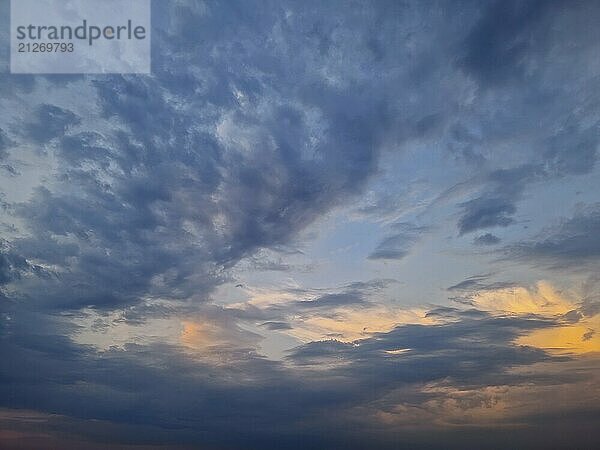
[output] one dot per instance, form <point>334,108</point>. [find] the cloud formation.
<point>398,245</point>
<point>149,295</point>
<point>570,244</point>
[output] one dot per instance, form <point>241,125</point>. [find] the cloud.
<point>479,283</point>
<point>569,152</point>
<point>198,396</point>
<point>575,320</point>
<point>398,244</point>
<point>333,300</point>
<point>496,205</point>
<point>496,49</point>
<point>258,121</point>
<point>487,239</point>
<point>348,312</point>
<point>572,243</point>
<point>486,213</point>
<point>509,53</point>
<point>573,150</point>
<point>157,182</point>
<point>5,143</point>
<point>277,325</point>
<point>49,122</point>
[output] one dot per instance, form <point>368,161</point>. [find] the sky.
<point>314,225</point>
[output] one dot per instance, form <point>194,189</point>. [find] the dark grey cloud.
<point>429,339</point>
<point>496,49</point>
<point>484,212</point>
<point>243,403</point>
<point>481,282</point>
<point>49,122</point>
<point>590,306</point>
<point>452,313</point>
<point>173,195</point>
<point>11,267</point>
<point>496,205</point>
<point>399,244</point>
<point>573,150</point>
<point>5,144</point>
<point>204,168</point>
<point>277,325</point>
<point>510,52</point>
<point>333,300</point>
<point>568,152</point>
<point>588,335</point>
<point>471,282</point>
<point>573,243</point>
<point>353,294</point>
<point>258,120</point>
<point>487,239</point>
<point>306,302</point>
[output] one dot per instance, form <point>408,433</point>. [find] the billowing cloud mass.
<point>313,225</point>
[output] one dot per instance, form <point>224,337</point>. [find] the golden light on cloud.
<point>566,339</point>
<point>345,323</point>
<point>266,297</point>
<point>348,324</point>
<point>204,341</point>
<point>545,301</point>
<point>198,334</point>
<point>215,339</point>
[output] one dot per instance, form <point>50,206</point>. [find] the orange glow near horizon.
<point>545,301</point>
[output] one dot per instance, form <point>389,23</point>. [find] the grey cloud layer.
<point>570,244</point>
<point>193,176</point>
<point>398,244</point>
<point>163,388</point>
<point>259,119</point>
